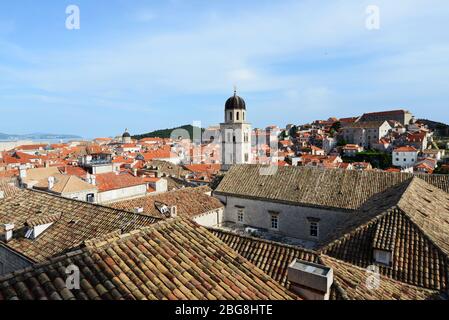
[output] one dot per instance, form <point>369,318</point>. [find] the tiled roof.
<point>176,260</point>
<point>386,113</point>
<point>79,221</point>
<point>349,280</point>
<point>365,124</point>
<point>405,149</point>
<point>340,189</point>
<point>7,187</point>
<point>272,257</point>
<point>112,181</point>
<point>168,168</point>
<point>412,221</point>
<point>208,168</point>
<point>37,174</point>
<point>354,282</point>
<point>189,202</point>
<point>66,184</point>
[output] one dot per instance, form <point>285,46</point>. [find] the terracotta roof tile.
<point>338,189</point>
<point>79,221</point>
<point>171,260</point>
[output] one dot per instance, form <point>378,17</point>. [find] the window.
<point>91,198</point>
<point>240,216</point>
<point>405,160</point>
<point>233,139</point>
<point>246,157</point>
<point>238,113</point>
<point>230,115</point>
<point>397,159</point>
<point>274,222</point>
<point>382,257</point>
<point>314,229</point>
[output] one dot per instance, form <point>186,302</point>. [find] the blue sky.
<point>146,65</point>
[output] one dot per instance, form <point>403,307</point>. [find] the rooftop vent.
<point>2,194</point>
<point>310,281</point>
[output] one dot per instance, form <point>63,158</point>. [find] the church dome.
<point>126,134</point>
<point>235,102</point>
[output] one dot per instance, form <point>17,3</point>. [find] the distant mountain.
<point>38,136</point>
<point>441,129</point>
<point>166,133</point>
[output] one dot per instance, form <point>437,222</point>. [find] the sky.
<point>146,65</point>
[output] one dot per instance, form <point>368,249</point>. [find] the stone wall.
<point>294,221</point>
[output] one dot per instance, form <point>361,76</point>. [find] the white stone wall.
<point>211,218</point>
<point>81,195</point>
<point>293,220</point>
<point>404,159</point>
<point>122,194</point>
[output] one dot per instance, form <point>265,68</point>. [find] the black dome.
<point>235,102</point>
<point>126,134</point>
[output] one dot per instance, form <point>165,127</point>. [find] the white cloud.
<point>255,49</point>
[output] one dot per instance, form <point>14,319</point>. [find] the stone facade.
<point>366,134</point>
<point>293,220</point>
<point>122,194</point>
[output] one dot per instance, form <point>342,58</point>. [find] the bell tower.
<point>235,134</point>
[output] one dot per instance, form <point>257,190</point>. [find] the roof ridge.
<point>90,204</point>
<point>112,237</point>
<point>66,182</point>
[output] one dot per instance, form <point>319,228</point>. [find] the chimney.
<point>173,212</point>
<point>310,281</point>
<point>138,210</point>
<point>51,182</point>
<point>2,195</point>
<point>22,172</point>
<point>9,227</point>
<point>93,180</point>
<point>135,172</point>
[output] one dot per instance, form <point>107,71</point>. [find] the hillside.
<point>165,133</point>
<point>441,129</point>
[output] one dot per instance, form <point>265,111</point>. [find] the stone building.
<point>365,134</point>
<point>404,117</point>
<point>301,202</point>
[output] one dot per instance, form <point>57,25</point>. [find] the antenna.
<point>235,90</point>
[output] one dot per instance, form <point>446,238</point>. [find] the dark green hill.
<point>441,129</point>
<point>165,133</point>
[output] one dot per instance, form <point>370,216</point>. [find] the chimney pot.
<point>173,212</point>
<point>138,210</point>
<point>309,280</point>
<point>51,183</point>
<point>9,227</point>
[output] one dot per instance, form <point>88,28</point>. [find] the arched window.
<point>230,115</point>
<point>238,115</point>
<point>243,115</point>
